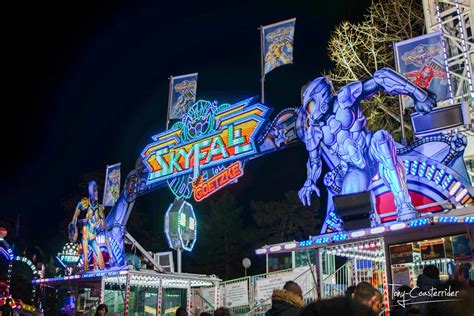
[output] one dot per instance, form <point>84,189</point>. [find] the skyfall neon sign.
<point>207,136</point>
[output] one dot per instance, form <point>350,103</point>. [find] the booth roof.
<point>454,217</point>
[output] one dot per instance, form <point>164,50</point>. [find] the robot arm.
<point>101,218</point>
<point>73,224</point>
<point>92,219</point>
<point>412,74</point>
<point>440,74</point>
<point>393,83</point>
<point>313,136</point>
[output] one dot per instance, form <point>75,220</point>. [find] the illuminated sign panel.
<point>206,148</point>
<point>226,176</point>
<point>180,226</point>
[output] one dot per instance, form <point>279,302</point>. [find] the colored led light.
<point>469,219</point>
<point>455,188</point>
<point>439,176</point>
<point>448,219</point>
<point>419,222</point>
<point>398,226</point>
<point>430,173</point>
<point>406,164</point>
<point>339,237</point>
<point>275,248</point>
<point>359,233</point>
<point>422,169</point>
<point>414,167</point>
<point>447,181</point>
<point>461,194</point>
<point>377,230</point>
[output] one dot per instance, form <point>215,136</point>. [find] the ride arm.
<point>313,136</point>
<point>393,83</point>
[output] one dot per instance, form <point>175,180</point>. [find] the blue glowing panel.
<point>422,169</point>
<point>414,167</point>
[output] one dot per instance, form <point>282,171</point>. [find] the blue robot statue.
<point>336,120</point>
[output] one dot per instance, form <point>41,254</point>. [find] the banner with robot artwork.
<point>421,60</point>
<point>112,185</point>
<point>182,95</point>
<point>277,44</point>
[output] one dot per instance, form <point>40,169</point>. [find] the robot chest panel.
<point>346,117</point>
<point>336,130</point>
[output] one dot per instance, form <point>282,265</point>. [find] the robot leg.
<point>97,253</point>
<point>382,150</point>
<point>85,249</point>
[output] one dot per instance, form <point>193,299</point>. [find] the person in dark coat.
<point>350,290</point>
<point>181,311</point>
<point>427,281</point>
<point>222,311</point>
<point>342,306</point>
<point>287,301</point>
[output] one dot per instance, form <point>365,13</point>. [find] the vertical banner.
<point>112,185</point>
<point>182,95</point>
<point>278,44</point>
<point>421,60</point>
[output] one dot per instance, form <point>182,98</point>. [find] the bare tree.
<point>359,49</point>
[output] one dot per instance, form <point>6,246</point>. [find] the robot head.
<point>426,71</point>
<point>93,195</point>
<point>317,98</point>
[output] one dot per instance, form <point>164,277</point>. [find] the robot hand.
<point>305,192</point>
<point>425,106</point>
<point>72,232</point>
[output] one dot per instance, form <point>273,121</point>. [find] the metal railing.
<point>203,303</point>
<point>310,295</point>
<point>337,282</point>
<point>306,280</point>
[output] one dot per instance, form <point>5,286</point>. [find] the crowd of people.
<point>430,297</point>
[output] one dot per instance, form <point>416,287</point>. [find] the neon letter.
<point>217,147</point>
<point>235,139</point>
<point>198,155</point>
<point>165,168</point>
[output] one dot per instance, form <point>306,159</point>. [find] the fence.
<point>252,295</point>
<point>337,283</point>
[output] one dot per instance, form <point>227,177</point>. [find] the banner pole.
<point>169,100</point>
<point>262,65</point>
<point>403,139</point>
<point>105,184</point>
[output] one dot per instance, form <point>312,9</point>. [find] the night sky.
<point>87,86</point>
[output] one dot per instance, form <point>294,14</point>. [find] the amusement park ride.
<point>6,298</point>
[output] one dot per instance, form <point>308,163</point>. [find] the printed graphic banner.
<point>182,95</point>
<point>112,185</point>
<point>237,294</point>
<point>264,287</point>
<point>421,60</point>
<point>278,44</point>
<point>461,248</point>
<point>401,253</point>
